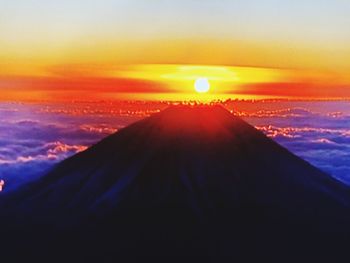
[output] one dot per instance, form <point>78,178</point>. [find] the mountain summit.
<point>186,182</point>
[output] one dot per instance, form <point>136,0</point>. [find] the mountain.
<point>188,183</point>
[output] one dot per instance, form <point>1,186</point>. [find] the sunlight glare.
<point>202,85</point>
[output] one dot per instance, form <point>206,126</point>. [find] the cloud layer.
<point>322,138</point>
<point>34,137</point>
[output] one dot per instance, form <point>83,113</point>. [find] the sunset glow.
<point>110,48</point>
<point>167,81</point>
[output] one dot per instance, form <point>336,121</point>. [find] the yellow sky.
<point>240,42</point>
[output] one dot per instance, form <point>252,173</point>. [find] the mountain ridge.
<point>200,174</point>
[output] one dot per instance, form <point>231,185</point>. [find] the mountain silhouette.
<point>188,183</point>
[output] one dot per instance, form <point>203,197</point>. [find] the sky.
<point>90,49</point>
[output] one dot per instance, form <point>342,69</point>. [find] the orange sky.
<point>102,82</point>
<point>89,50</point>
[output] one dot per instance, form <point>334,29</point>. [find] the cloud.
<point>62,148</point>
<point>34,137</point>
<point>295,132</point>
<point>49,151</point>
<point>16,170</point>
<point>103,128</point>
<point>281,113</point>
<point>2,183</point>
<point>32,141</point>
<point>321,139</point>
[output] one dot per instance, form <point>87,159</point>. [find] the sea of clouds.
<point>34,137</point>
<point>321,137</point>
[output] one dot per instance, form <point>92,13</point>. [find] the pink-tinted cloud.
<point>54,151</point>
<point>103,128</point>
<point>295,132</point>
<point>61,148</point>
<point>2,184</point>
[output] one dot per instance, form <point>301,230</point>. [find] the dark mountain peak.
<point>202,121</point>
<point>191,124</point>
<point>188,180</point>
<point>194,115</point>
<point>193,150</point>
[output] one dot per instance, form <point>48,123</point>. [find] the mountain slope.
<point>195,180</point>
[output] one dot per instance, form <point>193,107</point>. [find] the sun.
<point>202,85</point>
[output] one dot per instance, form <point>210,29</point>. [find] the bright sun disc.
<point>202,85</point>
